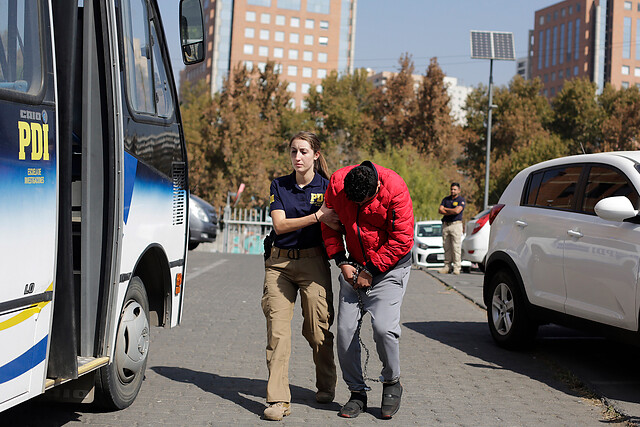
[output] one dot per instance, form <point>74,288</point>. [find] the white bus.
<point>93,194</point>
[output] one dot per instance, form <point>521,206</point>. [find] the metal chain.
<point>362,313</point>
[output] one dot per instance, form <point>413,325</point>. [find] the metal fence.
<point>243,230</point>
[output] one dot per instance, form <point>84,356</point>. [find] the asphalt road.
<point>211,370</point>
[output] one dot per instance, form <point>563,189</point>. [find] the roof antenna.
<point>582,147</point>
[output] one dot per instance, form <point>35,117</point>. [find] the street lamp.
<point>491,45</point>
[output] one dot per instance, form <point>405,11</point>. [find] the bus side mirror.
<point>191,32</point>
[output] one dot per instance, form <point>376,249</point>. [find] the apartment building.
<point>594,39</point>
<point>307,39</point>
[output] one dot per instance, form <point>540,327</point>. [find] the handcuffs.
<point>359,269</point>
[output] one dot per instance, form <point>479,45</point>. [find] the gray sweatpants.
<point>383,303</point>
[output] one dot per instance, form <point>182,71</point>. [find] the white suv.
<point>565,247</point>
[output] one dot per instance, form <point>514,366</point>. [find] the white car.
<point>565,248</point>
<point>428,250</point>
<point>476,241</point>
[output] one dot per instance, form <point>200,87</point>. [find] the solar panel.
<point>492,45</point>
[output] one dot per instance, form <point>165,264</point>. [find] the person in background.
<point>373,204</point>
<point>297,262</point>
<point>451,208</point>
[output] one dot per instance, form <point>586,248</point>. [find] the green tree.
<point>578,116</point>
<point>621,127</point>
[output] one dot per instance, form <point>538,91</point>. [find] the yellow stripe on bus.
<point>25,314</point>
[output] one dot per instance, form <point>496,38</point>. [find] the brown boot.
<point>277,411</point>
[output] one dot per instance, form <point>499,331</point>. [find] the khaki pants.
<point>452,242</point>
<point>284,277</point>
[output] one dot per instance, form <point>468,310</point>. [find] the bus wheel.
<point>118,383</point>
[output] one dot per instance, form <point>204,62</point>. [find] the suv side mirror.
<point>191,32</point>
<point>616,208</point>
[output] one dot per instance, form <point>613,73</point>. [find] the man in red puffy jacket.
<point>374,206</point>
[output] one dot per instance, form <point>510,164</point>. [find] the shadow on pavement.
<point>473,338</point>
<point>41,413</point>
<point>233,388</point>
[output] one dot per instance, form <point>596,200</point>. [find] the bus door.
<point>28,196</point>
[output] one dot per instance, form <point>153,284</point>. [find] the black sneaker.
<point>356,405</point>
<point>391,395</point>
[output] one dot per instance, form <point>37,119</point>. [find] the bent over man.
<point>375,208</point>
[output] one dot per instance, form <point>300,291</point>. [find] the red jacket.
<point>379,233</point>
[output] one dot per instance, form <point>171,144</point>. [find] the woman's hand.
<point>329,217</point>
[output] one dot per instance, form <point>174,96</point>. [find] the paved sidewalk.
<point>606,367</point>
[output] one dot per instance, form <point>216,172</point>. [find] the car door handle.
<point>520,223</point>
<point>574,233</point>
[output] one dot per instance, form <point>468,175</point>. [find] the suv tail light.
<point>480,222</point>
<point>494,213</point>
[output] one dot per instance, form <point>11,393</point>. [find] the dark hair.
<point>360,183</point>
<point>455,184</point>
<point>320,164</point>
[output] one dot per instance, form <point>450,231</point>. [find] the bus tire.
<point>118,383</point>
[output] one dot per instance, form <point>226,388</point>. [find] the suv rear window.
<point>553,188</point>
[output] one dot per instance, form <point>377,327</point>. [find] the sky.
<point>386,29</point>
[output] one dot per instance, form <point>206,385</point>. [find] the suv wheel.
<point>507,315</point>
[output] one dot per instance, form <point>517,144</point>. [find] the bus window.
<point>20,48</point>
<point>137,45</point>
<point>163,94</point>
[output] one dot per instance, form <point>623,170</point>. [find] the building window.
<point>563,12</point>
<point>319,88</point>
<point>307,55</point>
<point>555,15</point>
<point>319,6</point>
<point>627,5</point>
<point>560,74</point>
<point>636,72</point>
<point>323,41</point>
<point>249,32</point>
<point>277,68</point>
<point>626,70</point>
<point>554,52</point>
<point>626,38</point>
<point>322,57</point>
<point>248,65</point>
<point>570,10</point>
<point>577,51</point>
<point>569,38</point>
<point>308,40</point>
<point>561,54</point>
<point>264,34</point>
<point>248,49</point>
<point>265,18</point>
<point>625,85</point>
<point>292,102</point>
<point>289,4</point>
<point>294,38</point>
<point>278,36</point>
<point>540,44</point>
<point>545,78</point>
<point>262,66</point>
<point>295,22</point>
<point>304,88</point>
<point>553,76</point>
<point>547,52</point>
<point>307,72</point>
<point>322,73</point>
<point>309,23</point>
<point>575,70</point>
<point>541,19</point>
<point>638,37</point>
<point>291,87</point>
<point>278,52</point>
<point>293,53</point>
<point>263,51</point>
<point>292,70</point>
<point>265,3</point>
<point>250,16</point>
<point>280,20</point>
<point>324,25</point>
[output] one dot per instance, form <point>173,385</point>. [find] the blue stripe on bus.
<point>130,168</point>
<point>25,362</point>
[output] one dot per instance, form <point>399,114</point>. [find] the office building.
<point>307,39</point>
<point>594,39</point>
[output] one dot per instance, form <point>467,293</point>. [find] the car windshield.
<point>429,230</point>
